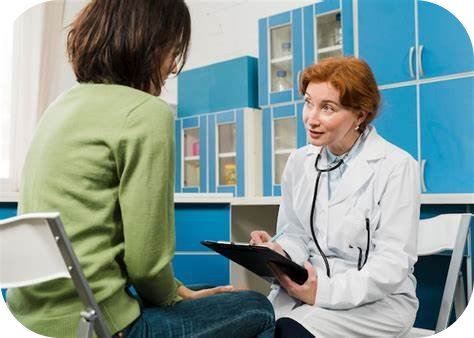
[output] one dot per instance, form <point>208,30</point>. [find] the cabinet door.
<point>447,48</point>
<point>397,121</point>
<point>212,269</point>
<point>447,146</point>
<point>387,42</point>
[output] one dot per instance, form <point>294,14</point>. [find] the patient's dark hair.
<point>126,42</point>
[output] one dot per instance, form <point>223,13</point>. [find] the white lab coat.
<point>381,183</point>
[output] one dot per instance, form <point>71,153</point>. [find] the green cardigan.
<point>103,156</point>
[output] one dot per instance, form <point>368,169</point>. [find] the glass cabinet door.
<point>284,144</point>
<point>281,58</point>
<point>328,35</point>
<point>191,157</point>
<point>226,150</point>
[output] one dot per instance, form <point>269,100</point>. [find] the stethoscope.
<point>326,170</point>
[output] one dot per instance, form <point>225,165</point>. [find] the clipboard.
<point>256,258</point>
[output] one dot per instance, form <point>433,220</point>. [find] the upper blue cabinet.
<point>218,131</point>
<point>291,41</point>
<point>392,49</point>
<point>217,87</point>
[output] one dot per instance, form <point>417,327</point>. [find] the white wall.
<point>221,30</point>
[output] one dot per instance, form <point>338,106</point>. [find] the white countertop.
<point>243,201</point>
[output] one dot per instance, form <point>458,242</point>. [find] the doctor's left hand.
<point>305,292</point>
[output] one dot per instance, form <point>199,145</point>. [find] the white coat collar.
<point>373,148</point>
<point>359,170</point>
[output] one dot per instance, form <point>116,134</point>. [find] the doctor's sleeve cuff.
<point>293,249</point>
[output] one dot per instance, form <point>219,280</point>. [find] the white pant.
<point>389,317</point>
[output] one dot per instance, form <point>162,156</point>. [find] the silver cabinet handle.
<point>410,61</point>
<point>420,60</point>
<point>423,183</point>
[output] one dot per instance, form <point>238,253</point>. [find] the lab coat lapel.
<point>359,171</point>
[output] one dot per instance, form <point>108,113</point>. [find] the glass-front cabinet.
<point>220,152</point>
<point>281,58</point>
<point>329,35</point>
<point>284,140</point>
<point>227,155</point>
<point>283,132</point>
<point>191,154</point>
<point>191,157</point>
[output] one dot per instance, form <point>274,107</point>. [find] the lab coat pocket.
<point>346,235</point>
<point>341,236</point>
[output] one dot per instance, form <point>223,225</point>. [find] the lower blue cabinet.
<point>447,146</point>
<point>212,269</point>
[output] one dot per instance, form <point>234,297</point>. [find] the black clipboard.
<point>256,258</point>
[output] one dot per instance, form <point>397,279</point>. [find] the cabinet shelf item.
<point>281,59</point>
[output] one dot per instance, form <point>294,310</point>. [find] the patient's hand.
<point>260,237</point>
<point>186,293</point>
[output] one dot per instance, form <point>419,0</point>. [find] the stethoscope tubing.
<point>313,207</point>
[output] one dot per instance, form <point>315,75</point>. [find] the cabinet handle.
<point>423,183</point>
<point>420,60</point>
<point>410,61</point>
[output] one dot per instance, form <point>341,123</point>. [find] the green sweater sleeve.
<point>146,190</point>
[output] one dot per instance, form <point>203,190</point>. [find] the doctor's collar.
<point>373,148</point>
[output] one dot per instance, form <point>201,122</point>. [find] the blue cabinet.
<point>447,147</point>
<point>280,57</point>
<point>444,43</point>
<point>194,263</point>
<point>397,122</point>
<point>294,40</point>
<point>191,154</point>
<point>391,48</point>
<point>384,43</point>
<point>220,153</point>
<point>283,132</point>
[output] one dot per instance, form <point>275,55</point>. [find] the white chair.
<point>435,235</point>
<point>34,248</point>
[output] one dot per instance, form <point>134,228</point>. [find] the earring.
<point>357,128</point>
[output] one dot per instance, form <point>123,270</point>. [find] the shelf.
<point>426,199</point>
<point>447,198</point>
<point>329,49</point>
<point>281,59</point>
<point>9,197</point>
<point>191,158</point>
<point>283,151</point>
<point>256,201</point>
<point>227,155</point>
<point>203,198</point>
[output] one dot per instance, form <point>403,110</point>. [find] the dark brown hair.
<point>354,80</point>
<point>127,42</point>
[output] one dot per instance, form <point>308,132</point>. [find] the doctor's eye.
<point>308,103</point>
<point>328,108</point>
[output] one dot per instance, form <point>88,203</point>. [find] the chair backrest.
<point>440,233</point>
<point>28,251</point>
<point>35,248</point>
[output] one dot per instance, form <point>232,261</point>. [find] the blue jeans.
<point>231,314</point>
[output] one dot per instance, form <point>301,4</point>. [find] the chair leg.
<point>86,324</point>
<point>459,297</point>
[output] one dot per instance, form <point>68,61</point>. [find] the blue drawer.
<point>201,269</point>
<point>199,222</point>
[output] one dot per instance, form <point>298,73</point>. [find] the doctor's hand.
<point>306,292</point>
<point>186,293</point>
<point>262,238</point>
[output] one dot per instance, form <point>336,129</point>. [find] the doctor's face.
<point>327,122</point>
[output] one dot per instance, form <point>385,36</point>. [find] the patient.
<point>103,156</point>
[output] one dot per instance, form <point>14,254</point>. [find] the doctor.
<point>351,200</point>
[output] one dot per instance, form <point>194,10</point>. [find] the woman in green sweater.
<point>103,156</point>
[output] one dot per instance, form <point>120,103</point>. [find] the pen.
<point>279,233</point>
